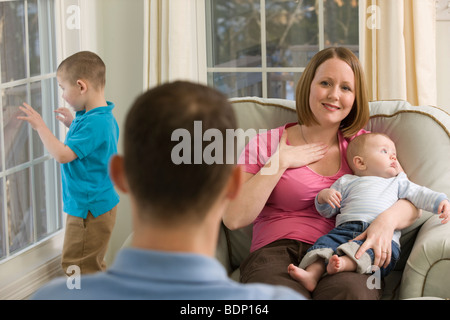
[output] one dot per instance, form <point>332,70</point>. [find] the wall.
<point>123,49</point>
<point>443,64</point>
<point>118,33</point>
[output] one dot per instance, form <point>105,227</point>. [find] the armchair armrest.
<point>427,271</point>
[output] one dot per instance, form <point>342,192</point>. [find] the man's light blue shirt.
<point>87,186</point>
<point>155,275</point>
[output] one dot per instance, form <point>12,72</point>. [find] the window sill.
<point>23,274</point>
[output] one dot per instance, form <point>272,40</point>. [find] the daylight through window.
<point>261,47</point>
<point>29,183</point>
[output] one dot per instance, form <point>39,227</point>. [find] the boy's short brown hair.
<point>359,115</point>
<point>84,65</point>
<point>162,188</point>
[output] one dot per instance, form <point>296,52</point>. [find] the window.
<point>261,47</point>
<point>30,205</point>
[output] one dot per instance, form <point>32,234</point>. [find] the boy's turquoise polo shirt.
<point>86,184</point>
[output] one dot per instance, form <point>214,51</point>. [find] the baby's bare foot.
<point>303,277</point>
<point>335,264</point>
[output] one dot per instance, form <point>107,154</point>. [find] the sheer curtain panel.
<point>398,49</point>
<point>176,41</point>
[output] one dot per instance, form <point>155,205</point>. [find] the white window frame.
<point>264,69</point>
<point>23,272</point>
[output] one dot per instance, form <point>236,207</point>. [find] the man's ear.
<point>235,182</point>
<point>117,173</point>
<point>82,85</point>
<point>359,163</point>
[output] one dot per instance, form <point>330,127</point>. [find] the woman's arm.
<point>254,193</point>
<point>378,235</point>
<point>257,188</point>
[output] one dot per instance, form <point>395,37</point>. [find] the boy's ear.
<point>82,85</point>
<point>359,163</point>
<point>117,173</point>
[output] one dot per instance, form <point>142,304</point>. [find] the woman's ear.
<point>117,173</point>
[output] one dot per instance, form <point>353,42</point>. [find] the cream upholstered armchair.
<point>422,137</point>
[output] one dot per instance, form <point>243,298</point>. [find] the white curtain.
<point>176,41</point>
<point>398,49</point>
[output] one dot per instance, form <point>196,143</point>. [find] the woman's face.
<point>332,92</point>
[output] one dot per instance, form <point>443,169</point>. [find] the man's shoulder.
<point>93,287</point>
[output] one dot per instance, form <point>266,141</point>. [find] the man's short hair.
<point>84,65</point>
<point>160,186</point>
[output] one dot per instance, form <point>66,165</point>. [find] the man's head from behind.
<point>166,192</point>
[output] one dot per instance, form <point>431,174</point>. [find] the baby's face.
<point>380,156</point>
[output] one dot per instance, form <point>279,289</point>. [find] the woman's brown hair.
<point>359,115</point>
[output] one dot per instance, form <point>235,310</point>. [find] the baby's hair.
<point>356,146</point>
<point>84,65</point>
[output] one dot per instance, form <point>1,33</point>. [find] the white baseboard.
<point>24,287</point>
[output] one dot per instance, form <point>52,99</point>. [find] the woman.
<point>332,108</point>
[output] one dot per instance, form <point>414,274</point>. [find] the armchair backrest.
<point>421,135</point>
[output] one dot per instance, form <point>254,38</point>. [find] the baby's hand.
<point>65,116</point>
<point>330,196</point>
<point>444,211</point>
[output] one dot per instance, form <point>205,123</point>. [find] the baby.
<point>378,182</point>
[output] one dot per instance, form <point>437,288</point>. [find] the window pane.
<point>46,211</point>
<point>274,39</point>
<point>36,103</point>
<point>341,23</point>
<point>239,84</point>
<point>20,216</point>
<point>33,36</point>
<point>41,26</point>
<point>291,28</point>
<point>15,132</point>
<point>12,40</point>
<point>44,100</point>
<point>2,228</point>
<point>40,196</point>
<point>235,33</point>
<point>282,85</point>
<point>30,196</point>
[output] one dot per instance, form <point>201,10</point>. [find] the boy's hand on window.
<point>65,116</point>
<point>33,117</point>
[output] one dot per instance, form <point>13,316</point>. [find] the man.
<point>177,206</point>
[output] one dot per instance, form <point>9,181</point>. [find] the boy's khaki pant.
<point>86,241</point>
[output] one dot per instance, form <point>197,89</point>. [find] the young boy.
<point>377,184</point>
<point>89,197</point>
<point>177,209</point>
